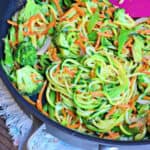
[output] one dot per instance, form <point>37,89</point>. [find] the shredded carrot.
<point>39,100</point>
<point>57,70</point>
<point>29,100</point>
<point>148,21</point>
<point>67,13</point>
<point>102,4</point>
<point>116,43</point>
<point>95,1</point>
<point>58,98</point>
<point>144,84</point>
<point>74,18</point>
<point>101,135</point>
<point>129,43</point>
<point>33,78</point>
<point>80,3</point>
<point>102,15</point>
<point>58,7</point>
<point>50,25</point>
<point>138,124</point>
<point>32,21</point>
<point>83,38</point>
<point>123,106</point>
<point>71,113</point>
<point>143,67</point>
<point>132,81</point>
<point>106,34</point>
<point>148,118</point>
<point>74,126</point>
<point>64,113</point>
<point>53,54</point>
<point>93,9</point>
<point>12,23</point>
<point>79,25</point>
<point>98,41</point>
<point>92,74</point>
<point>146,97</point>
<point>145,60</point>
<point>113,135</point>
<point>146,72</point>
<point>110,11</point>
<point>79,10</point>
<point>38,67</point>
<point>111,111</point>
<point>145,31</point>
<point>14,43</point>
<point>70,72</point>
<point>99,23</point>
<point>97,94</point>
<point>132,102</point>
<point>81,45</point>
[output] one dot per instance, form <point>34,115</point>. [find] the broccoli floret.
<point>26,54</point>
<point>29,81</point>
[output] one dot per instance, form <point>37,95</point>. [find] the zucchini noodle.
<point>88,62</point>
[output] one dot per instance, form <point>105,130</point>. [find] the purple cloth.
<point>135,8</point>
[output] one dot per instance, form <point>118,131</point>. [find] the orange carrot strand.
<point>12,23</point>
<point>40,96</point>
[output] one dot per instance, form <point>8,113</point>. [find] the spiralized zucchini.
<point>95,61</point>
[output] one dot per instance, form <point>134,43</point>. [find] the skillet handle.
<point>35,125</point>
<point>101,147</point>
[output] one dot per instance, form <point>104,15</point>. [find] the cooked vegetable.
<point>29,81</point>
<point>8,61</point>
<point>137,49</point>
<point>122,39</point>
<point>26,54</point>
<point>30,10</point>
<point>91,62</point>
<point>123,19</point>
<point>92,22</point>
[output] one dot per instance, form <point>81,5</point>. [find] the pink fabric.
<point>135,8</point>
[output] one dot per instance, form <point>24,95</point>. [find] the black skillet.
<point>7,9</point>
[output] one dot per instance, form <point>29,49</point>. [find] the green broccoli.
<point>29,81</point>
<point>26,54</point>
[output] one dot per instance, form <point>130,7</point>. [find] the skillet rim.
<point>29,109</point>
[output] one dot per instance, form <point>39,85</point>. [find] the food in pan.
<point>84,64</point>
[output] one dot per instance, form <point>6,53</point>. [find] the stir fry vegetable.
<point>89,59</point>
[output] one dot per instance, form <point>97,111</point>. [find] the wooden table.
<point>6,142</point>
<point>5,139</point>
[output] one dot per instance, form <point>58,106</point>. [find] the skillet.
<point>7,9</point>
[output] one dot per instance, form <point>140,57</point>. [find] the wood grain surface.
<point>6,142</point>
<point>5,139</point>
